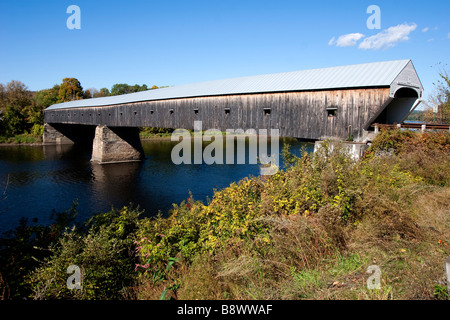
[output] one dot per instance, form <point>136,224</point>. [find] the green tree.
<point>13,122</point>
<point>120,88</point>
<point>69,90</point>
<point>123,88</point>
<point>47,97</point>
<point>137,88</point>
<point>33,114</point>
<point>104,92</point>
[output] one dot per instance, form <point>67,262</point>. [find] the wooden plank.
<point>296,114</point>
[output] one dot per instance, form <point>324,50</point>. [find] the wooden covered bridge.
<point>311,104</point>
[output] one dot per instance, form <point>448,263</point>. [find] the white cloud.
<point>349,40</point>
<point>388,38</point>
<point>346,40</point>
<point>430,40</point>
<point>425,29</point>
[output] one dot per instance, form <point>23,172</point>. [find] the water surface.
<point>41,179</point>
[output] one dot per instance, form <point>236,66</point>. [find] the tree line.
<point>21,110</point>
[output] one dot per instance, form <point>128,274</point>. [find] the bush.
<point>103,249</point>
<point>37,130</point>
<point>193,227</point>
<point>21,250</point>
<point>424,155</point>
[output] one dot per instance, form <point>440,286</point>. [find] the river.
<point>37,180</point>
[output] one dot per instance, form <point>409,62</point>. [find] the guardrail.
<point>421,126</point>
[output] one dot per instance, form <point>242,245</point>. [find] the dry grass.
<point>409,247</point>
<point>390,211</point>
<point>302,261</point>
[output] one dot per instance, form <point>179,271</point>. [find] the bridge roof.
<point>377,74</point>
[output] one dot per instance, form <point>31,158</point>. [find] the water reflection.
<point>115,183</point>
<point>57,152</point>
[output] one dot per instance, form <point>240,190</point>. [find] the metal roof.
<point>360,75</point>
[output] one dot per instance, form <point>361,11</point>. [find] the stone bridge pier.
<point>109,144</point>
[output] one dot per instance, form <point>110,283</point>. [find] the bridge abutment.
<point>116,144</point>
<point>54,136</point>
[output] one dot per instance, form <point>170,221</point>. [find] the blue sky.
<point>179,42</point>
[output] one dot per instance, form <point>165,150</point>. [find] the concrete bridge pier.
<point>116,144</point>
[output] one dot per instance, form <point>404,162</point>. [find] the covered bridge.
<point>310,104</point>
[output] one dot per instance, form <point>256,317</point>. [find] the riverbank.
<point>30,140</point>
<point>308,232</point>
<point>22,139</point>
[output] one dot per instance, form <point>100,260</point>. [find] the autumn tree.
<point>104,92</point>
<point>15,98</point>
<point>69,90</point>
<point>438,105</point>
<point>2,97</point>
<point>14,94</point>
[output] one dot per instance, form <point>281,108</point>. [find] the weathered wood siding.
<point>296,114</point>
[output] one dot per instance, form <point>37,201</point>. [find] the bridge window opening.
<point>109,114</point>
<point>331,112</point>
<point>82,114</point>
<point>151,111</point>
<point>227,111</point>
<point>99,114</point>
<point>135,113</point>
<point>171,111</point>
<point>121,113</point>
<point>267,111</point>
<point>196,111</point>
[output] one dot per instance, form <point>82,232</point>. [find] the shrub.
<point>21,250</point>
<point>103,249</point>
<point>193,227</point>
<point>37,130</point>
<point>424,155</point>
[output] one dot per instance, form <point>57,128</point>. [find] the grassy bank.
<point>155,133</point>
<point>308,232</point>
<point>24,138</point>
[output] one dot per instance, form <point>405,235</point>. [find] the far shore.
<point>12,143</point>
